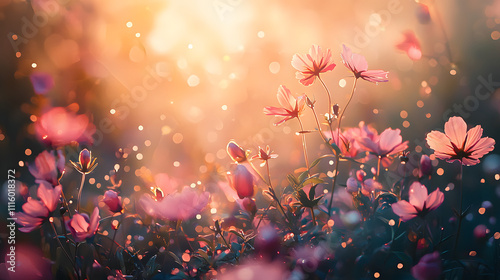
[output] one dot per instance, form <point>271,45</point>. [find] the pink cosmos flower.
<point>359,183</point>
<point>60,127</point>
<point>47,167</point>
<point>176,206</point>
<point>82,227</point>
<point>389,142</point>
<point>410,45</point>
<point>420,203</point>
<point>425,166</point>
<point>37,211</point>
<point>456,143</point>
<point>310,65</point>
<point>349,148</point>
<point>428,268</point>
<point>113,201</point>
<point>242,181</point>
<point>359,67</point>
<point>265,155</point>
<point>291,107</point>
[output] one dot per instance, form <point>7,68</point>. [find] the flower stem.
<point>263,214</point>
<point>313,216</point>
<point>80,193</point>
<point>347,104</point>
<point>378,166</point>
<point>330,108</point>
<point>460,215</point>
<point>337,158</point>
<point>64,251</point>
<point>275,197</point>
<point>304,145</point>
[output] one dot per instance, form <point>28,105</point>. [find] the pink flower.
<point>428,268</point>
<point>423,13</point>
<point>389,142</point>
<point>358,65</point>
<point>236,152</point>
<point>425,166</point>
<point>176,206</point>
<point>37,211</point>
<point>291,107</point>
<point>420,203</point>
<point>47,167</point>
<point>410,45</point>
<point>60,127</point>
<point>456,143</point>
<point>311,65</point>
<point>82,227</point>
<point>255,270</point>
<point>113,201</point>
<point>86,163</point>
<point>265,155</point>
<point>247,204</point>
<point>242,181</point>
<point>358,183</point>
<point>348,146</point>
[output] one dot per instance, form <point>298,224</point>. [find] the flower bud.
<point>236,152</point>
<point>248,204</point>
<point>113,201</point>
<point>360,175</point>
<point>84,158</point>
<point>335,110</point>
<point>352,185</point>
<point>242,182</point>
<point>423,13</point>
<point>425,166</point>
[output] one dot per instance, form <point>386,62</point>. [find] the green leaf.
<point>292,180</point>
<point>335,148</point>
<point>312,192</point>
<point>303,177</point>
<point>313,180</point>
<point>316,161</point>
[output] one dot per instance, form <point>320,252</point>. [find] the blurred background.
<point>171,82</point>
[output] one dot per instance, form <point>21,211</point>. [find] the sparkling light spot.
<point>193,81</point>
<point>190,46</point>
<point>375,111</point>
<point>440,171</point>
<point>147,143</point>
<point>186,257</point>
<point>495,35</point>
<point>403,114</point>
<point>135,148</point>
<point>261,34</point>
<point>420,104</point>
<point>376,275</point>
<point>482,181</point>
<point>481,210</point>
<point>400,265</point>
<point>472,253</point>
<point>139,156</point>
<point>213,210</point>
<point>274,67</point>
<point>21,163</point>
<point>177,164</point>
<point>331,223</point>
<point>406,124</point>
<point>27,152</point>
<point>198,216</point>
<point>112,111</point>
<point>129,24</point>
<point>224,107</point>
<point>140,127</point>
<point>177,138</point>
<point>428,115</point>
<point>92,181</point>
<point>137,34</point>
<point>18,54</point>
<point>391,222</point>
<point>453,72</point>
<point>497,177</point>
<point>342,83</point>
<point>33,65</point>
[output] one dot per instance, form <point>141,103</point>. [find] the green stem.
<point>347,104</point>
<point>460,215</point>
<point>330,108</point>
<point>333,185</point>
<point>262,216</point>
<point>80,193</point>
<point>313,216</point>
<point>275,197</point>
<point>378,166</point>
<point>304,145</point>
<point>64,251</point>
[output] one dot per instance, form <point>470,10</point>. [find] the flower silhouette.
<point>310,65</point>
<point>456,143</point>
<point>420,202</point>
<point>291,107</point>
<point>359,67</point>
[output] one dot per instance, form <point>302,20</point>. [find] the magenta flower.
<point>425,166</point>
<point>236,152</point>
<point>456,143</point>
<point>265,155</point>
<point>47,167</point>
<point>389,142</point>
<point>86,163</point>
<point>113,201</point>
<point>242,181</point>
<point>359,183</point>
<point>428,268</point>
<point>247,204</point>
<point>60,127</point>
<point>37,211</point>
<point>410,45</point>
<point>359,67</point>
<point>291,107</point>
<point>82,227</point>
<point>176,206</point>
<point>310,65</point>
<point>420,203</point>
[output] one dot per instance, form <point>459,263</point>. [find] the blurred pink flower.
<point>359,67</point>
<point>389,142</point>
<point>428,268</point>
<point>60,127</point>
<point>348,146</point>
<point>358,183</point>
<point>255,270</point>
<point>242,181</point>
<point>425,166</point>
<point>291,107</point>
<point>42,82</point>
<point>247,204</point>
<point>82,227</point>
<point>420,203</point>
<point>423,14</point>
<point>113,201</point>
<point>28,263</point>
<point>236,152</point>
<point>47,167</point>
<point>176,206</point>
<point>37,211</point>
<point>310,65</point>
<point>456,143</point>
<point>410,45</point>
<point>166,184</point>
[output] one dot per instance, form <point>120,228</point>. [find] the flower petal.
<point>434,199</point>
<point>440,143</point>
<point>404,210</point>
<point>418,195</point>
<point>456,129</point>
